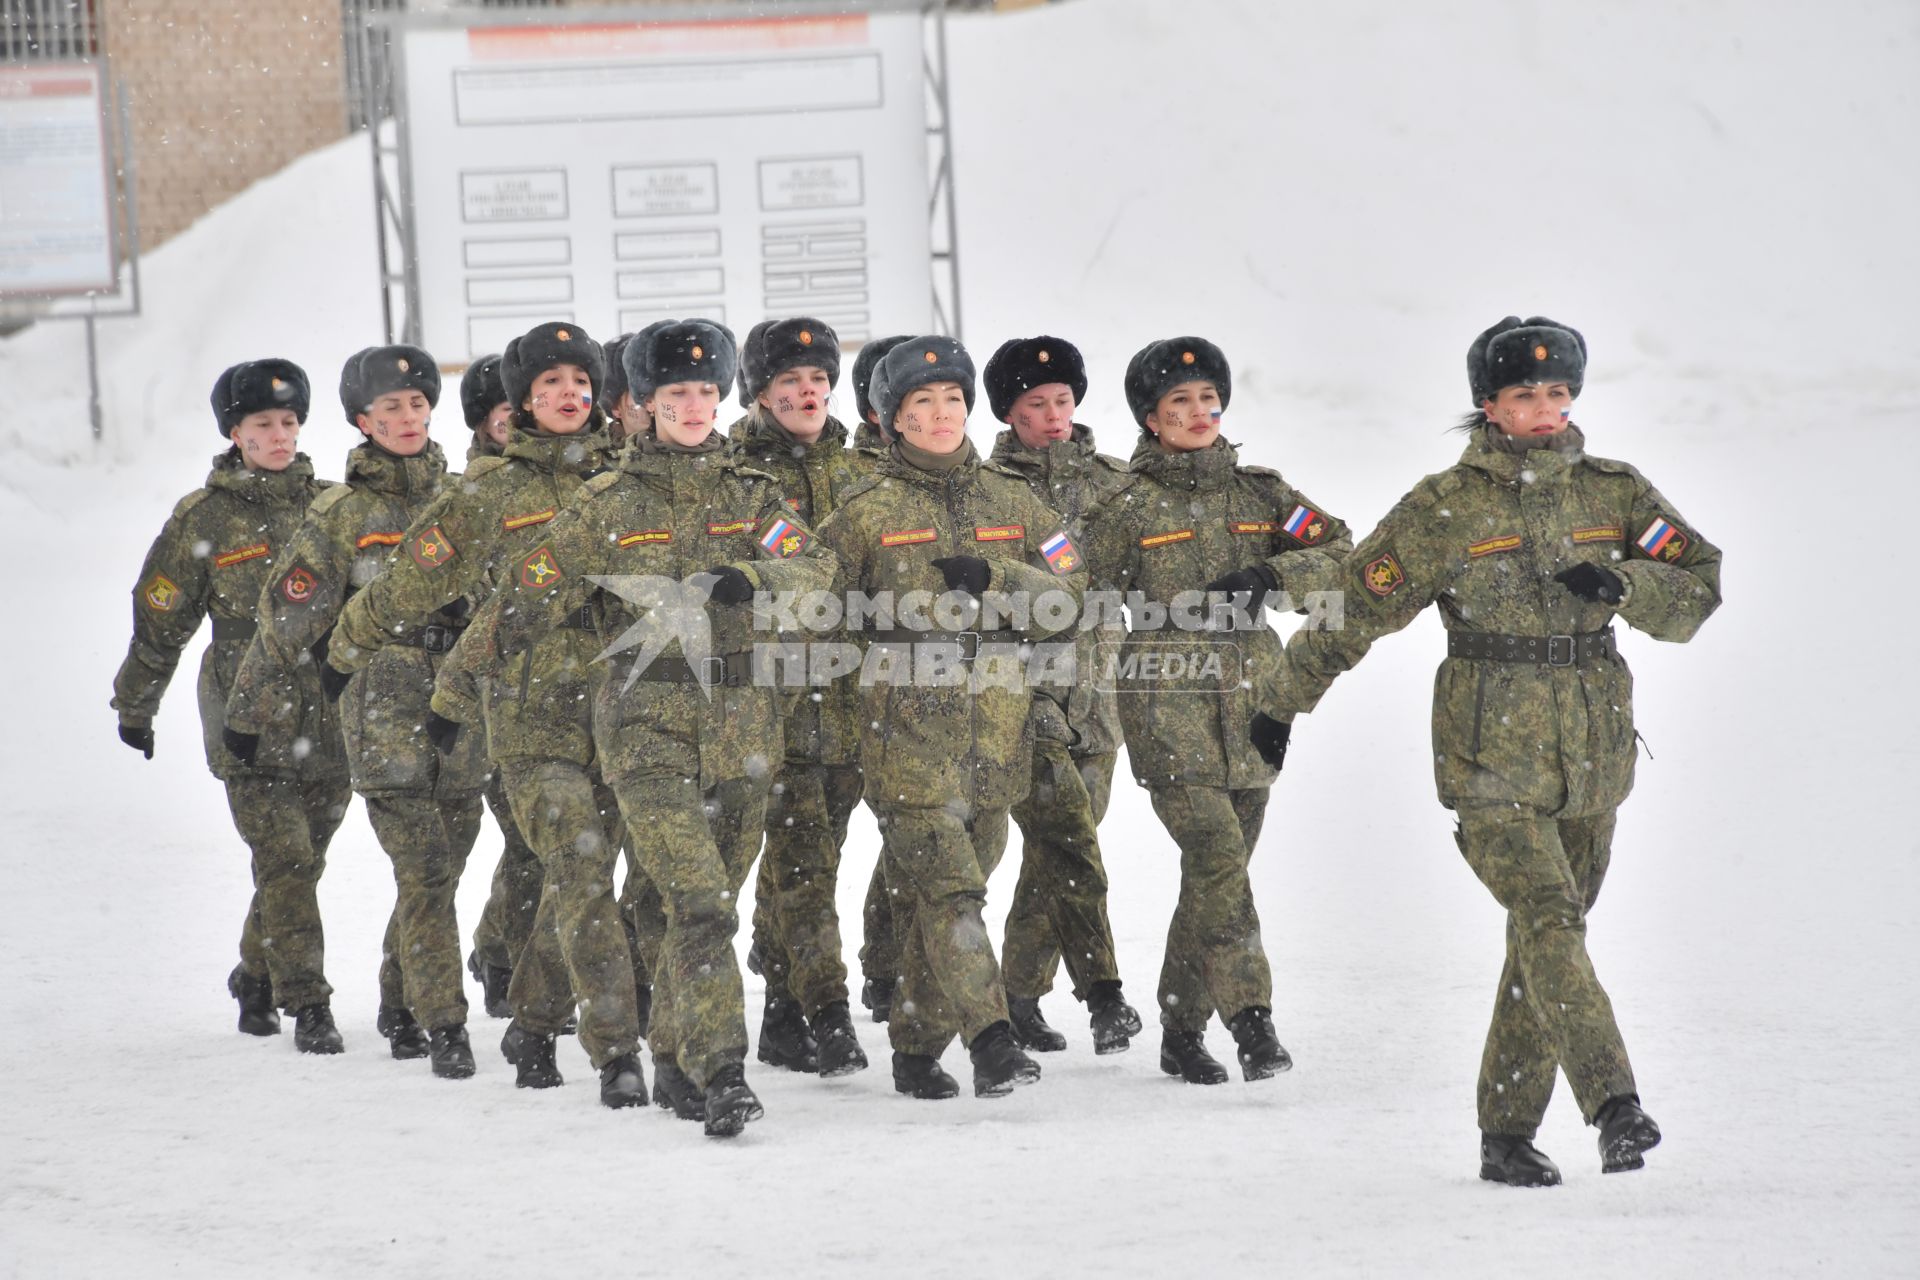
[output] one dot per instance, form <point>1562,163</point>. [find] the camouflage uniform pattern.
<point>944,762</point>
<point>425,807</point>
<point>690,765</point>
<point>1184,520</point>
<point>1533,758</point>
<point>1060,900</point>
<point>220,546</point>
<point>796,925</point>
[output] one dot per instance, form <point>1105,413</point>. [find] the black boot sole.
<point>1203,1074</point>
<point>733,1116</point>
<point>852,1064</point>
<point>456,1070</point>
<point>258,1025</point>
<point>1265,1070</point>
<point>928,1090</point>
<point>1623,1153</point>
<point>804,1065</point>
<point>407,1051</point>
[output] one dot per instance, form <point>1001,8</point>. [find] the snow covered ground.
<point>1721,194</point>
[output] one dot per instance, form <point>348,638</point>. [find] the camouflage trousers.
<point>937,866</point>
<point>428,841</point>
<point>1060,901</point>
<point>796,924</point>
<point>879,940</point>
<point>695,850</point>
<point>578,944</point>
<point>287,823</point>
<point>1215,961</point>
<point>1550,1010</point>
<point>514,898</point>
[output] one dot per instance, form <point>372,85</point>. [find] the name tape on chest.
<point>1166,539</point>
<point>511,523</point>
<point>1598,533</point>
<point>238,554</point>
<point>999,533</point>
<point>1494,546</point>
<point>907,537</point>
<point>720,528</point>
<point>1253,526</point>
<point>380,540</point>
<point>641,536</point>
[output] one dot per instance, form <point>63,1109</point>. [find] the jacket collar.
<point>371,467</point>
<point>1203,470</point>
<point>234,476</point>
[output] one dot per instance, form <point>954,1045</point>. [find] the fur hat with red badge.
<point>541,348</point>
<point>775,346</point>
<point>916,363</point>
<point>373,372</point>
<point>1159,367</point>
<point>1022,364</point>
<point>1534,351</point>
<point>255,386</point>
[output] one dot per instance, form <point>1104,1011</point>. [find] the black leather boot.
<point>1031,1030</point>
<point>920,1076</point>
<point>405,1037</point>
<point>258,1017</point>
<point>622,1083</point>
<point>1625,1132</point>
<point>314,1032</point>
<point>1113,1021</point>
<point>730,1104</point>
<point>452,1053</point>
<point>674,1092</point>
<point>999,1067</point>
<point>1184,1054</point>
<point>1261,1053</point>
<point>785,1040</point>
<point>840,1053</point>
<point>493,985</point>
<point>1516,1162</point>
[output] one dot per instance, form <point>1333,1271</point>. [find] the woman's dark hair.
<point>1471,422</point>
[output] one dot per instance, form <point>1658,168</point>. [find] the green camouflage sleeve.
<point>1387,580</point>
<point>1311,558</point>
<point>839,533</point>
<point>788,556</point>
<point>168,603</point>
<point>456,686</point>
<point>297,607</point>
<point>1673,573</point>
<point>1110,545</point>
<point>441,559</point>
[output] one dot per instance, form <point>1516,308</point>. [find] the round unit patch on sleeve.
<point>539,569</point>
<point>298,586</point>
<point>161,594</point>
<point>1383,576</point>
<point>431,549</point>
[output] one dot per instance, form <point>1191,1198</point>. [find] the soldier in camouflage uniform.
<point>945,759</point>
<point>514,895</point>
<point>879,947</point>
<point>687,735</point>
<point>787,371</point>
<point>1060,902</point>
<point>1531,548</point>
<point>220,546</point>
<point>424,804</point>
<point>472,538</point>
<point>1194,520</point>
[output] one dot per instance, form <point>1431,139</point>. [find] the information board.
<point>56,210</point>
<point>614,174</point>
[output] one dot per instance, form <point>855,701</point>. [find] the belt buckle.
<point>1572,650</point>
<point>717,665</point>
<point>969,644</point>
<point>435,638</point>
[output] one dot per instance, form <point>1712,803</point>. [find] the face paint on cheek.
<point>586,399</point>
<point>669,414</point>
<point>785,404</point>
<point>1214,416</point>
<point>1566,413</point>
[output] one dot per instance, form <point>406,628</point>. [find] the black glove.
<point>243,746</point>
<point>140,739</point>
<point>442,732</point>
<point>1269,737</point>
<point>733,585</point>
<point>333,682</point>
<point>964,573</point>
<point>1259,579</point>
<point>1593,583</point>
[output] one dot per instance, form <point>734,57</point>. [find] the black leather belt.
<point>233,630</point>
<point>729,670</point>
<point>580,619</point>
<point>434,638</point>
<point>969,641</point>
<point>1548,651</point>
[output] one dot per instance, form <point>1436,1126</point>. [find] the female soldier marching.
<point>424,804</point>
<point>945,759</point>
<point>219,548</point>
<point>661,558</point>
<point>470,539</point>
<point>1192,520</point>
<point>1530,547</point>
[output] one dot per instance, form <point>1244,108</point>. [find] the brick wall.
<point>221,93</point>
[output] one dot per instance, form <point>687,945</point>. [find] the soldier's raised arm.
<point>296,612</point>
<point>787,555</point>
<point>1393,574</point>
<point>440,560</point>
<point>1309,545</point>
<point>1672,573</point>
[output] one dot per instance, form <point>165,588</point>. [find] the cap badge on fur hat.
<point>563,335</point>
<point>1043,357</point>
<point>1540,351</point>
<point>279,385</point>
<point>698,353</point>
<point>931,358</point>
<point>806,337</point>
<point>401,364</point>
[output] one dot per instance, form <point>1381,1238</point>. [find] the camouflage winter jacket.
<point>967,741</point>
<point>1073,479</point>
<point>1483,541</point>
<point>350,532</point>
<point>220,546</point>
<point>469,541</point>
<point>558,638</point>
<point>1182,521</point>
<point>823,725</point>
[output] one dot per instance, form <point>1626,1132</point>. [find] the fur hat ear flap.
<point>1159,367</point>
<point>255,386</point>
